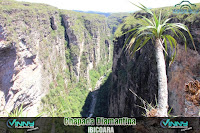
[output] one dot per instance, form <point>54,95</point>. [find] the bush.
<point>63,103</point>
<point>94,76</point>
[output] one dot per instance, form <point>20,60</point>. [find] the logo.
<point>185,7</point>
<point>167,123</point>
<point>14,123</point>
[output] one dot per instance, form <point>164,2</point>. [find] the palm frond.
<point>131,30</point>
<point>138,35</point>
<point>143,8</point>
<point>144,42</point>
<point>161,43</point>
<point>183,37</point>
<point>137,44</point>
<point>184,27</point>
<point>130,44</point>
<point>155,20</point>
<point>125,44</point>
<point>159,21</point>
<point>171,42</point>
<point>145,34</point>
<point>148,21</point>
<point>165,42</point>
<point>143,22</point>
<point>164,23</point>
<point>191,38</point>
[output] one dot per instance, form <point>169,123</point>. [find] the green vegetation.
<point>115,19</point>
<point>68,56</point>
<point>83,65</point>
<point>94,77</point>
<point>9,5</point>
<point>63,100</point>
<point>74,49</point>
<point>101,108</point>
<point>17,112</point>
<point>95,74</point>
<point>26,14</point>
<point>54,101</point>
<point>84,25</point>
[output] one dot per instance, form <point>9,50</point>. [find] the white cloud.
<point>107,5</point>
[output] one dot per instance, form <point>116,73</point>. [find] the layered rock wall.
<point>88,42</point>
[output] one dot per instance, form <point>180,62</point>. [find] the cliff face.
<point>38,43</point>
<point>32,54</point>
<point>88,42</point>
<point>140,73</point>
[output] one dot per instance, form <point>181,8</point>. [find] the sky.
<point>107,5</point>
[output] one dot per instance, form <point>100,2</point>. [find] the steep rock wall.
<point>32,54</point>
<point>88,42</point>
<point>139,73</point>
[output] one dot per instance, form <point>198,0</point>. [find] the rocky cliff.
<point>39,44</point>
<point>139,73</point>
<point>32,54</point>
<point>88,42</point>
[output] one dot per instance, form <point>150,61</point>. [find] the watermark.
<point>100,124</point>
<point>68,121</point>
<point>167,123</point>
<point>124,121</point>
<point>99,121</point>
<point>14,123</point>
<point>185,7</point>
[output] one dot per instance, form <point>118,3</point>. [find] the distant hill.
<point>95,12</point>
<point>115,19</point>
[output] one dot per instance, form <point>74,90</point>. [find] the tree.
<point>158,30</point>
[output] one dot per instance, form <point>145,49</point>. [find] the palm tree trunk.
<point>162,81</point>
<point>53,127</point>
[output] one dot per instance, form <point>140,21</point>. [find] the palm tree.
<point>157,29</point>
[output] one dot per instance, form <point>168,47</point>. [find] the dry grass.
<point>151,113</point>
<point>150,110</point>
<point>192,90</point>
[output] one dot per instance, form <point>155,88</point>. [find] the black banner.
<point>99,125</point>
